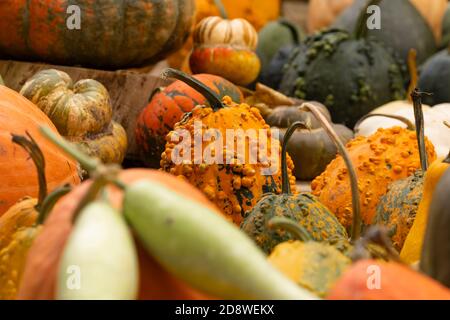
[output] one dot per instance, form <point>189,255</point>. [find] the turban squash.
<point>167,106</point>
<point>114,34</point>
<point>17,172</point>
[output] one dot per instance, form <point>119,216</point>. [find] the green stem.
<point>91,194</point>
<point>356,205</point>
<point>361,24</point>
<point>50,201</point>
<point>292,28</point>
<point>285,183</point>
<point>287,224</point>
<point>221,7</point>
<point>213,99</point>
<point>33,150</point>
<point>409,124</point>
<point>420,131</point>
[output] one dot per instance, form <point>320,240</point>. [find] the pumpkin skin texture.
<point>232,57</point>
<point>380,159</point>
<point>413,244</point>
<point>132,33</point>
<point>398,207</point>
<point>19,115</point>
<point>312,265</point>
<point>167,106</point>
<point>397,282</point>
<point>349,76</point>
<point>412,31</point>
<point>436,249</point>
<point>82,112</point>
<point>435,78</point>
<point>40,275</point>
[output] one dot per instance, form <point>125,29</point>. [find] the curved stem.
<point>420,131</point>
<point>33,150</point>
<point>356,205</point>
<point>409,124</point>
<point>412,67</point>
<point>210,95</point>
<point>447,124</point>
<point>285,183</point>
<point>292,28</point>
<point>361,25</point>
<point>291,226</point>
<point>50,201</point>
<point>221,7</point>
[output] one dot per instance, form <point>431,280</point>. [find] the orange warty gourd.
<point>17,171</point>
<point>386,156</point>
<point>40,275</point>
<point>396,282</point>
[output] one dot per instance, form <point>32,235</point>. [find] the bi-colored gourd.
<point>302,208</point>
<point>102,250</point>
<point>81,112</point>
<point>107,34</point>
<point>226,48</point>
<point>227,175</point>
<point>167,106</point>
<point>17,172</point>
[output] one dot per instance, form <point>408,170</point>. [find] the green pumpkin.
<point>402,27</point>
<point>303,208</point>
<point>435,78</point>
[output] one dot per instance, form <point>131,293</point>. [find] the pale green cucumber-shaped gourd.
<point>202,248</point>
<point>99,261</point>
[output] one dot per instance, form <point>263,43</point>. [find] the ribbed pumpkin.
<point>17,171</point>
<point>236,185</point>
<point>81,112</point>
<point>226,48</point>
<point>167,106</point>
<point>113,34</point>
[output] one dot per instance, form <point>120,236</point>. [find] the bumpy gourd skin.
<point>398,207</point>
<point>313,265</point>
<point>234,188</point>
<point>384,157</point>
<point>303,208</point>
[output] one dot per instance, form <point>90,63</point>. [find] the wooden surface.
<point>129,89</point>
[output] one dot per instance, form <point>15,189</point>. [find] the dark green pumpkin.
<point>303,208</point>
<point>402,27</point>
<point>435,78</point>
<point>435,259</point>
<point>113,33</point>
<point>273,73</point>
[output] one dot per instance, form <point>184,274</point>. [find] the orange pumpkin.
<point>17,171</point>
<point>40,274</point>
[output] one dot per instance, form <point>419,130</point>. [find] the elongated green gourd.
<point>99,260</point>
<point>202,248</point>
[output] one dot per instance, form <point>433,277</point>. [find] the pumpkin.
<point>22,223</point>
<point>18,115</point>
<point>413,244</point>
<point>435,78</point>
<point>382,158</point>
<point>273,73</point>
<point>82,112</point>
<point>231,180</point>
<point>226,48</point>
<point>412,31</point>
<point>379,280</point>
<point>302,208</point>
<point>435,250</point>
<point>131,33</point>
<point>311,149</point>
<point>167,106</point>
<point>324,69</point>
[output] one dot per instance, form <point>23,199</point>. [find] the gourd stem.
<point>418,116</point>
<point>356,205</point>
<point>33,150</point>
<point>361,25</point>
<point>447,124</point>
<point>50,202</point>
<point>221,7</point>
<point>292,29</point>
<point>285,183</point>
<point>412,67</point>
<point>91,194</point>
<point>291,226</point>
<point>409,124</point>
<point>210,95</point>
